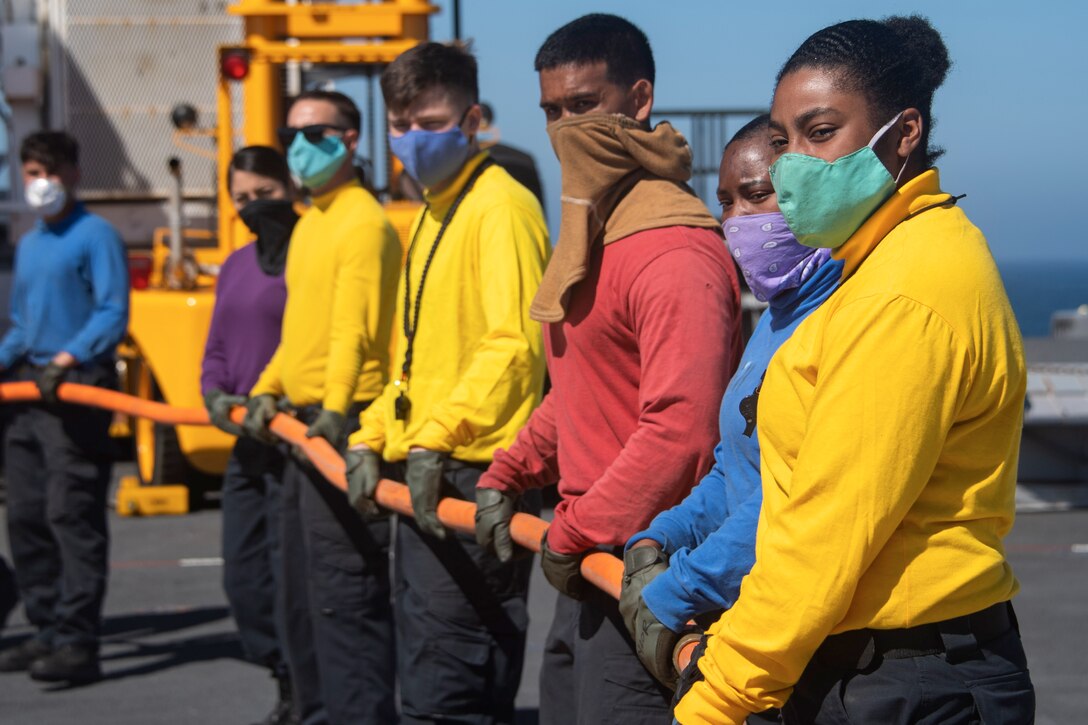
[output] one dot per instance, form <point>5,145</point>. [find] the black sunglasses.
<point>313,134</point>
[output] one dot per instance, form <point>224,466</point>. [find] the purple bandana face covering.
<point>770,257</point>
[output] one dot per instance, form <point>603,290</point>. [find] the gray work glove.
<point>563,571</point>
<point>494,510</point>
<point>260,410</point>
<point>329,425</point>
<point>362,468</point>
<point>654,642</point>
<point>49,380</point>
<point>219,405</point>
<point>423,474</point>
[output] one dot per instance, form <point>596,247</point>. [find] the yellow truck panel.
<point>159,320</point>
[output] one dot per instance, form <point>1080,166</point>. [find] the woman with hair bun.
<point>889,423</point>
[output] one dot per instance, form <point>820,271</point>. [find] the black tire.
<point>170,466</point>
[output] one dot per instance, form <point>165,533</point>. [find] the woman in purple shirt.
<point>245,331</point>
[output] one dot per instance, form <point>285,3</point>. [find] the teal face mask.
<point>313,164</point>
<point>825,203</point>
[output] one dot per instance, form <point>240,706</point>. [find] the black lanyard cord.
<point>411,318</point>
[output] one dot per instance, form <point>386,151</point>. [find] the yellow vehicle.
<point>174,285</point>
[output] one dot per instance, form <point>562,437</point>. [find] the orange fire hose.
<point>601,569</point>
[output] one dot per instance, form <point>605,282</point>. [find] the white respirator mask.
<point>46,197</point>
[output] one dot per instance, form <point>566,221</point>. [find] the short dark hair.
<point>597,37</point>
<point>430,65</point>
<point>759,124</point>
<point>260,160</point>
<point>51,149</point>
<point>345,107</point>
<point>487,112</point>
<point>897,63</point>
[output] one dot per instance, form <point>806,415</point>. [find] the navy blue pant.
<point>9,595</point>
<point>251,549</point>
<point>988,684</point>
<point>337,602</point>
<point>293,600</point>
<point>58,473</point>
<point>461,619</point>
<point>591,674</point>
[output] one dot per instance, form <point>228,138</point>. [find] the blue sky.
<point>1009,114</point>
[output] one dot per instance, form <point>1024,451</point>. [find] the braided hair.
<point>897,63</point>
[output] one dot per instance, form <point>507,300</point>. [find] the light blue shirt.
<point>710,536</point>
<point>70,292</point>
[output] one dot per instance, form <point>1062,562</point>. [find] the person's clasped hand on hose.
<point>219,405</point>
<point>260,410</point>
<point>329,425</point>
<point>423,474</point>
<point>654,642</point>
<point>53,374</point>
<point>362,469</point>
<point>563,571</point>
<point>494,511</point>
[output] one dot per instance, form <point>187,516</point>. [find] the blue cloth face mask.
<point>431,157</point>
<point>825,203</point>
<point>314,164</point>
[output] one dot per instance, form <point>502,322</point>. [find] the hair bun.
<point>926,46</point>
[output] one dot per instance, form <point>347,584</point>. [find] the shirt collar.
<point>326,200</point>
<point>922,191</point>
<point>62,225</point>
<point>440,201</point>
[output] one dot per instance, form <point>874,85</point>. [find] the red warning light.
<point>235,65</point>
<point>139,271</point>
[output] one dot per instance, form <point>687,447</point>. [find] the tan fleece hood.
<point>618,178</point>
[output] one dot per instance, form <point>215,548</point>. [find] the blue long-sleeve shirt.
<point>710,536</point>
<point>70,292</point>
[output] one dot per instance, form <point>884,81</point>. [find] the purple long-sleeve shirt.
<point>246,323</point>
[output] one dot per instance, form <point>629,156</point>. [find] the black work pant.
<point>58,473</point>
<point>461,619</point>
<point>591,673</point>
<point>293,600</point>
<point>337,601</point>
<point>9,595</point>
<point>976,682</point>
<point>251,549</point>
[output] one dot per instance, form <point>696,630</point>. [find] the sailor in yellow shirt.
<point>341,276</point>
<point>468,371</point>
<point>889,424</point>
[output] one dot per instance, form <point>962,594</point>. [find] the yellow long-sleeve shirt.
<point>889,428</point>
<point>477,361</point>
<point>341,277</point>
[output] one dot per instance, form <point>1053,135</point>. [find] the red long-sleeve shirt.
<point>638,366</point>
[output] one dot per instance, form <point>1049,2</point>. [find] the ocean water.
<point>1037,288</point>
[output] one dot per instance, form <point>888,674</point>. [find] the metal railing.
<point>707,131</point>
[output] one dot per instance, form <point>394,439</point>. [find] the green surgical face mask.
<point>825,203</point>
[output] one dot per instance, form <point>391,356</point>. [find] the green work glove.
<point>362,468</point>
<point>329,425</point>
<point>423,474</point>
<point>219,405</point>
<point>49,380</point>
<point>260,410</point>
<point>563,571</point>
<point>494,510</point>
<point>654,642</point>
